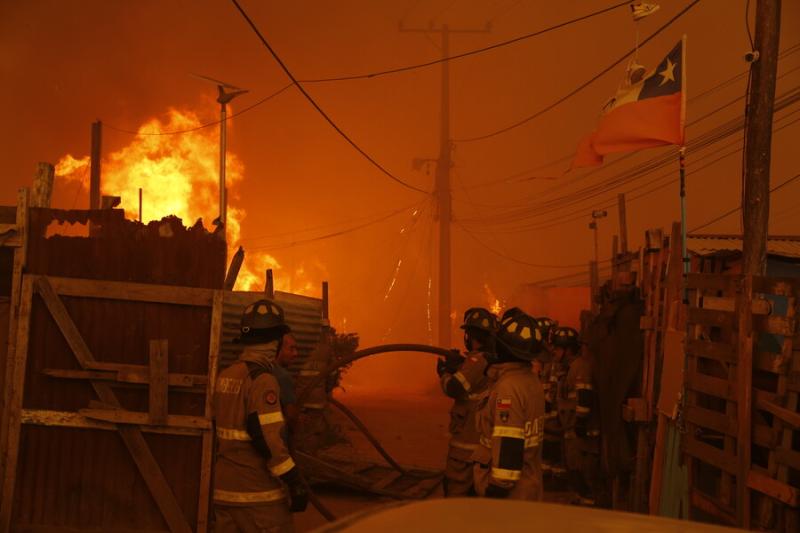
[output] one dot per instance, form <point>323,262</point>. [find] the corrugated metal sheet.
<point>303,313</point>
<point>706,244</point>
<point>85,478</point>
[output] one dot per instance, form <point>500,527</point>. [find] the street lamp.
<point>223,99</point>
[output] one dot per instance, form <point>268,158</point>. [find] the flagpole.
<point>682,158</point>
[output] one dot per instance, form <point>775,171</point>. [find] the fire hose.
<point>355,356</point>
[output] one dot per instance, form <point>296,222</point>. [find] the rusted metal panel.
<point>303,313</point>
<point>85,478</point>
<point>162,252</point>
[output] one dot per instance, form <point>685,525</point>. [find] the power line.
<point>510,258</point>
<point>339,233</point>
<point>470,53</point>
<point>316,106</point>
<point>734,210</point>
<point>206,125</point>
<point>580,87</point>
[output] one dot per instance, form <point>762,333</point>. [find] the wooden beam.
<point>233,269</point>
<point>46,417</point>
<point>15,386</point>
<point>709,454</point>
<point>20,255</point>
<point>136,376</point>
<point>713,420</point>
<point>711,317</point>
<point>94,176</point>
<point>136,292</point>
<point>744,405</point>
<point>207,459</point>
<point>773,488</point>
<point>132,437</point>
<point>269,285</point>
<point>712,507</point>
<point>789,417</point>
<point>123,416</point>
<point>158,402</point>
<point>711,282</point>
<point>760,307</point>
<point>719,351</point>
<point>706,384</point>
<point>42,185</point>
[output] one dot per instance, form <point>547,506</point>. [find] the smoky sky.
<point>66,63</point>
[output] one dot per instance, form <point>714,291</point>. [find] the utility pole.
<point>442,189</point>
<point>594,272</point>
<point>94,169</point>
<point>758,136</point>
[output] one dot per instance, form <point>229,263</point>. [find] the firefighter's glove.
<point>496,491</point>
<point>298,494</point>
<point>453,361</point>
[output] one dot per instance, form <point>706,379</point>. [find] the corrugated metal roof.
<point>712,244</point>
<point>303,313</point>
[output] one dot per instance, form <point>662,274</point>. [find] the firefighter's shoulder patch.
<point>504,403</point>
<point>271,397</point>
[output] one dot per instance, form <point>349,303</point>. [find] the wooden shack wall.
<point>85,478</point>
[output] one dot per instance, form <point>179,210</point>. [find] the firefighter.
<point>511,419</point>
<point>565,347</point>
<point>286,355</point>
<point>580,421</point>
<point>463,379</point>
<point>254,471</point>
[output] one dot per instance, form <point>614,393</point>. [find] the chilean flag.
<point>646,114</point>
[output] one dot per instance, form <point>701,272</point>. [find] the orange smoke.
<point>179,175</point>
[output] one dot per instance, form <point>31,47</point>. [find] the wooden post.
<point>140,204</point>
<point>233,269</point>
<point>594,281</point>
<point>325,308</point>
<point>625,264</point>
<point>158,405</point>
<point>758,137</point>
<point>94,181</point>
<point>269,286</point>
<point>614,253</point>
<point>744,404</point>
<point>42,185</point>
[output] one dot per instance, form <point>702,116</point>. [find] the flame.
<point>179,175</point>
<point>494,304</point>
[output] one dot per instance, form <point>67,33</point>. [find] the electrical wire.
<point>316,105</point>
<point>339,233</point>
<point>739,208</point>
<point>579,88</point>
<point>202,126</point>
<point>469,53</point>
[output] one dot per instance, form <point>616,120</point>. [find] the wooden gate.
<point>79,374</point>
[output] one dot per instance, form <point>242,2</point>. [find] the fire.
<point>179,175</point>
<point>494,304</point>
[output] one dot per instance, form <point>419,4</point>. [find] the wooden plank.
<point>773,488</point>
<point>45,417</point>
<point>136,292</point>
<point>760,307</point>
<point>123,416</point>
<point>713,420</point>
<point>21,221</point>
<point>719,351</point>
<point>207,458</point>
<point>709,454</point>
<point>132,437</point>
<point>137,376</point>
<point>706,384</point>
<point>13,408</point>
<point>789,417</point>
<point>776,325</point>
<point>387,479</point>
<point>775,363</point>
<point>788,457</point>
<point>43,185</point>
<point>711,317</point>
<point>712,282</point>
<point>764,436</point>
<point>158,401</point>
<point>712,507</point>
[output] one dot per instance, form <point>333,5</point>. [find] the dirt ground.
<point>412,427</point>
